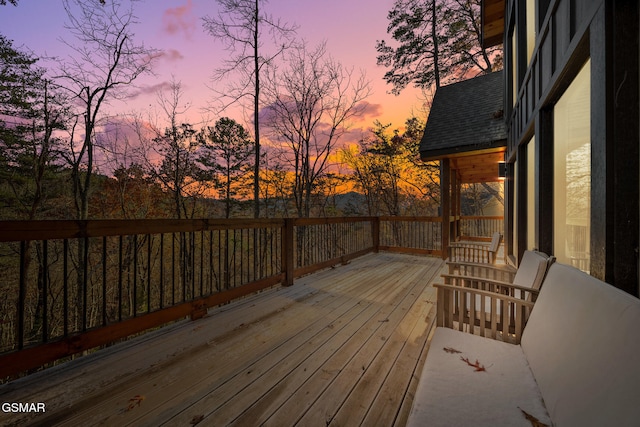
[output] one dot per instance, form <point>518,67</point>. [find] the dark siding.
<point>570,32</point>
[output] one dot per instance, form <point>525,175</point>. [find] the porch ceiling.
<point>492,22</point>
<point>478,167</point>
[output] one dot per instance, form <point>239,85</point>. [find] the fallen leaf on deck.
<point>478,367</point>
<point>196,419</point>
<point>533,420</point>
<point>451,350</point>
<point>135,401</point>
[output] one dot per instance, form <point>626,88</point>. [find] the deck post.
<point>445,204</point>
<point>287,252</point>
<point>375,233</point>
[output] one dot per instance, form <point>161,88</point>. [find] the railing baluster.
<point>173,268</point>
<point>120,277</point>
<point>235,258</point>
<point>45,305</point>
<point>149,273</point>
<point>85,283</point>
<point>161,290</point>
<point>193,264</point>
<point>135,275</point>
<point>201,262</point>
<point>183,263</point>
<point>65,287</point>
<point>104,280</point>
<point>240,251</point>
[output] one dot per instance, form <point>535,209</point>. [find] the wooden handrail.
<point>14,231</point>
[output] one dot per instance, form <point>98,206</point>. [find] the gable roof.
<point>465,116</point>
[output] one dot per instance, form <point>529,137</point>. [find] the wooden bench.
<point>577,364</point>
<point>475,252</point>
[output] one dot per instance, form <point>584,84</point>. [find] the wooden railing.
<point>411,234</point>
<point>480,227</point>
<point>70,286</point>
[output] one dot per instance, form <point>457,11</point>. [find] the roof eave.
<point>439,154</point>
<point>492,16</point>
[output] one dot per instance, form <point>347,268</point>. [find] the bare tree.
<point>177,146</point>
<point>311,105</point>
<point>243,25</point>
<point>275,186</point>
<point>105,61</point>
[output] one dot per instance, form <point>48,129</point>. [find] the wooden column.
<point>287,252</point>
<point>455,205</point>
<point>509,212</point>
<point>445,203</point>
<point>375,234</point>
<point>521,208</point>
<point>452,204</point>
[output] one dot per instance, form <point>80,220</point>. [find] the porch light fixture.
<point>502,170</point>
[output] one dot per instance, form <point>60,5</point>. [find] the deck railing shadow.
<point>67,287</point>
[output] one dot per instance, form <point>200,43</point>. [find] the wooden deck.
<point>341,347</point>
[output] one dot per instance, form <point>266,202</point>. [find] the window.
<point>572,172</point>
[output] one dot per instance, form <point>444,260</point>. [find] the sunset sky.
<point>350,28</point>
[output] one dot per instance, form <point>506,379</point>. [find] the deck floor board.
<point>340,347</point>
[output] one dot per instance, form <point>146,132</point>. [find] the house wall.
<point>568,34</point>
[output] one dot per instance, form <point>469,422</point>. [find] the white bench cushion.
<point>451,393</point>
<point>583,345</point>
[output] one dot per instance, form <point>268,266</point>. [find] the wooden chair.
<point>499,305</point>
<point>475,252</point>
<point>501,272</point>
<point>528,277</point>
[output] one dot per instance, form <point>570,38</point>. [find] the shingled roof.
<point>465,116</point>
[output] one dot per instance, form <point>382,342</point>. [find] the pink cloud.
<point>150,89</point>
<point>122,141</point>
<point>369,111</point>
<point>169,55</point>
<point>179,19</point>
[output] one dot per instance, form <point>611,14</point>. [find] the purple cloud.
<point>169,55</point>
<point>179,19</point>
<point>150,89</point>
<point>369,111</point>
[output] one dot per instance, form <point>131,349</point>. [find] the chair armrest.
<point>482,312</point>
<point>491,285</point>
<point>505,273</point>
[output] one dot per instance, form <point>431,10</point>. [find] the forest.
<point>64,155</point>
